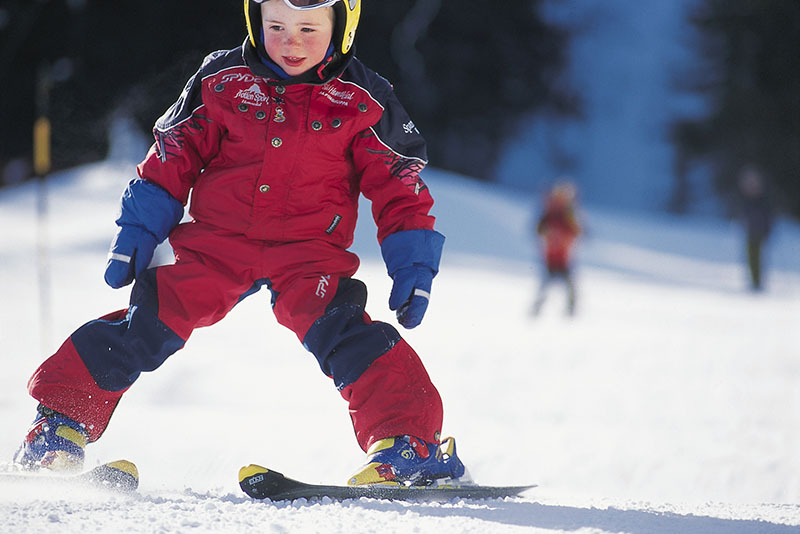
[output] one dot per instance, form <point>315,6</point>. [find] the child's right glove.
<point>412,260</point>
<point>148,214</point>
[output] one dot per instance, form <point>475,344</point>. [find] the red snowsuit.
<point>558,229</point>
<point>274,172</point>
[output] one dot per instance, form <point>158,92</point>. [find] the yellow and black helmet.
<point>344,32</point>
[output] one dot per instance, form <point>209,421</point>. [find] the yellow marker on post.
<point>41,146</point>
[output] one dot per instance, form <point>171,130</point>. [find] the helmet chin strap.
<point>325,62</point>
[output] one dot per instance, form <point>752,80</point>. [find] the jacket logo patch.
<point>340,98</point>
<point>410,127</point>
<point>253,95</point>
<point>336,220</point>
<point>239,77</point>
<point>322,285</point>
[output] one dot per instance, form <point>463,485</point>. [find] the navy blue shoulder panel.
<point>395,129</point>
<point>191,98</point>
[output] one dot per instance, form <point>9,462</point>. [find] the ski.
<point>120,476</point>
<point>262,483</point>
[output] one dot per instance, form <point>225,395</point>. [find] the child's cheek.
<point>270,44</point>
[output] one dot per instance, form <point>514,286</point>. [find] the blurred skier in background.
<point>557,228</point>
<point>757,217</point>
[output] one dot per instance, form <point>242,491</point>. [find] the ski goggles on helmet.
<point>304,4</point>
<point>309,4</point>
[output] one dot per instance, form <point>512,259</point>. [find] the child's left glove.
<point>148,214</point>
<point>131,252</point>
<point>412,260</point>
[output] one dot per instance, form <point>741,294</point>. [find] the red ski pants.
<point>313,294</point>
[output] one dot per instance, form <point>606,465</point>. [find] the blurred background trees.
<point>749,71</point>
<point>102,57</point>
<point>469,73</point>
<point>466,71</point>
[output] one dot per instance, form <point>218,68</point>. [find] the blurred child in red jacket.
<point>557,228</point>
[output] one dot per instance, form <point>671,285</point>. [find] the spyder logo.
<point>322,285</point>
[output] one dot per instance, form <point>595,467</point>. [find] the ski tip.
<point>253,479</point>
<point>251,470</point>
<point>523,489</point>
<point>126,467</point>
<point>120,475</point>
<point>260,482</point>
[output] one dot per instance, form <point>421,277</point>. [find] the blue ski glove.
<point>131,252</point>
<point>148,214</point>
<point>412,260</point>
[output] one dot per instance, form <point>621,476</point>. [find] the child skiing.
<point>275,140</point>
<point>557,229</point>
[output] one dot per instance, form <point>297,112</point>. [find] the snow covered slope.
<point>670,403</point>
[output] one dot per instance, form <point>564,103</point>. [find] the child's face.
<point>296,40</point>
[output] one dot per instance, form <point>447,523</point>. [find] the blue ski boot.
<point>54,441</point>
<point>408,461</point>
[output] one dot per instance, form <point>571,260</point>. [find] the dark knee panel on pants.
<point>344,340</point>
<point>116,349</point>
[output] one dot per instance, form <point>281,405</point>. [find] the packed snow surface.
<point>670,403</point>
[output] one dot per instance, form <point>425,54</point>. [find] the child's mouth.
<point>293,61</point>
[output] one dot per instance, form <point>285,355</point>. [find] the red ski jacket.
<point>558,228</point>
<point>286,163</point>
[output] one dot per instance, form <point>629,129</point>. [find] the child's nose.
<point>292,38</point>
